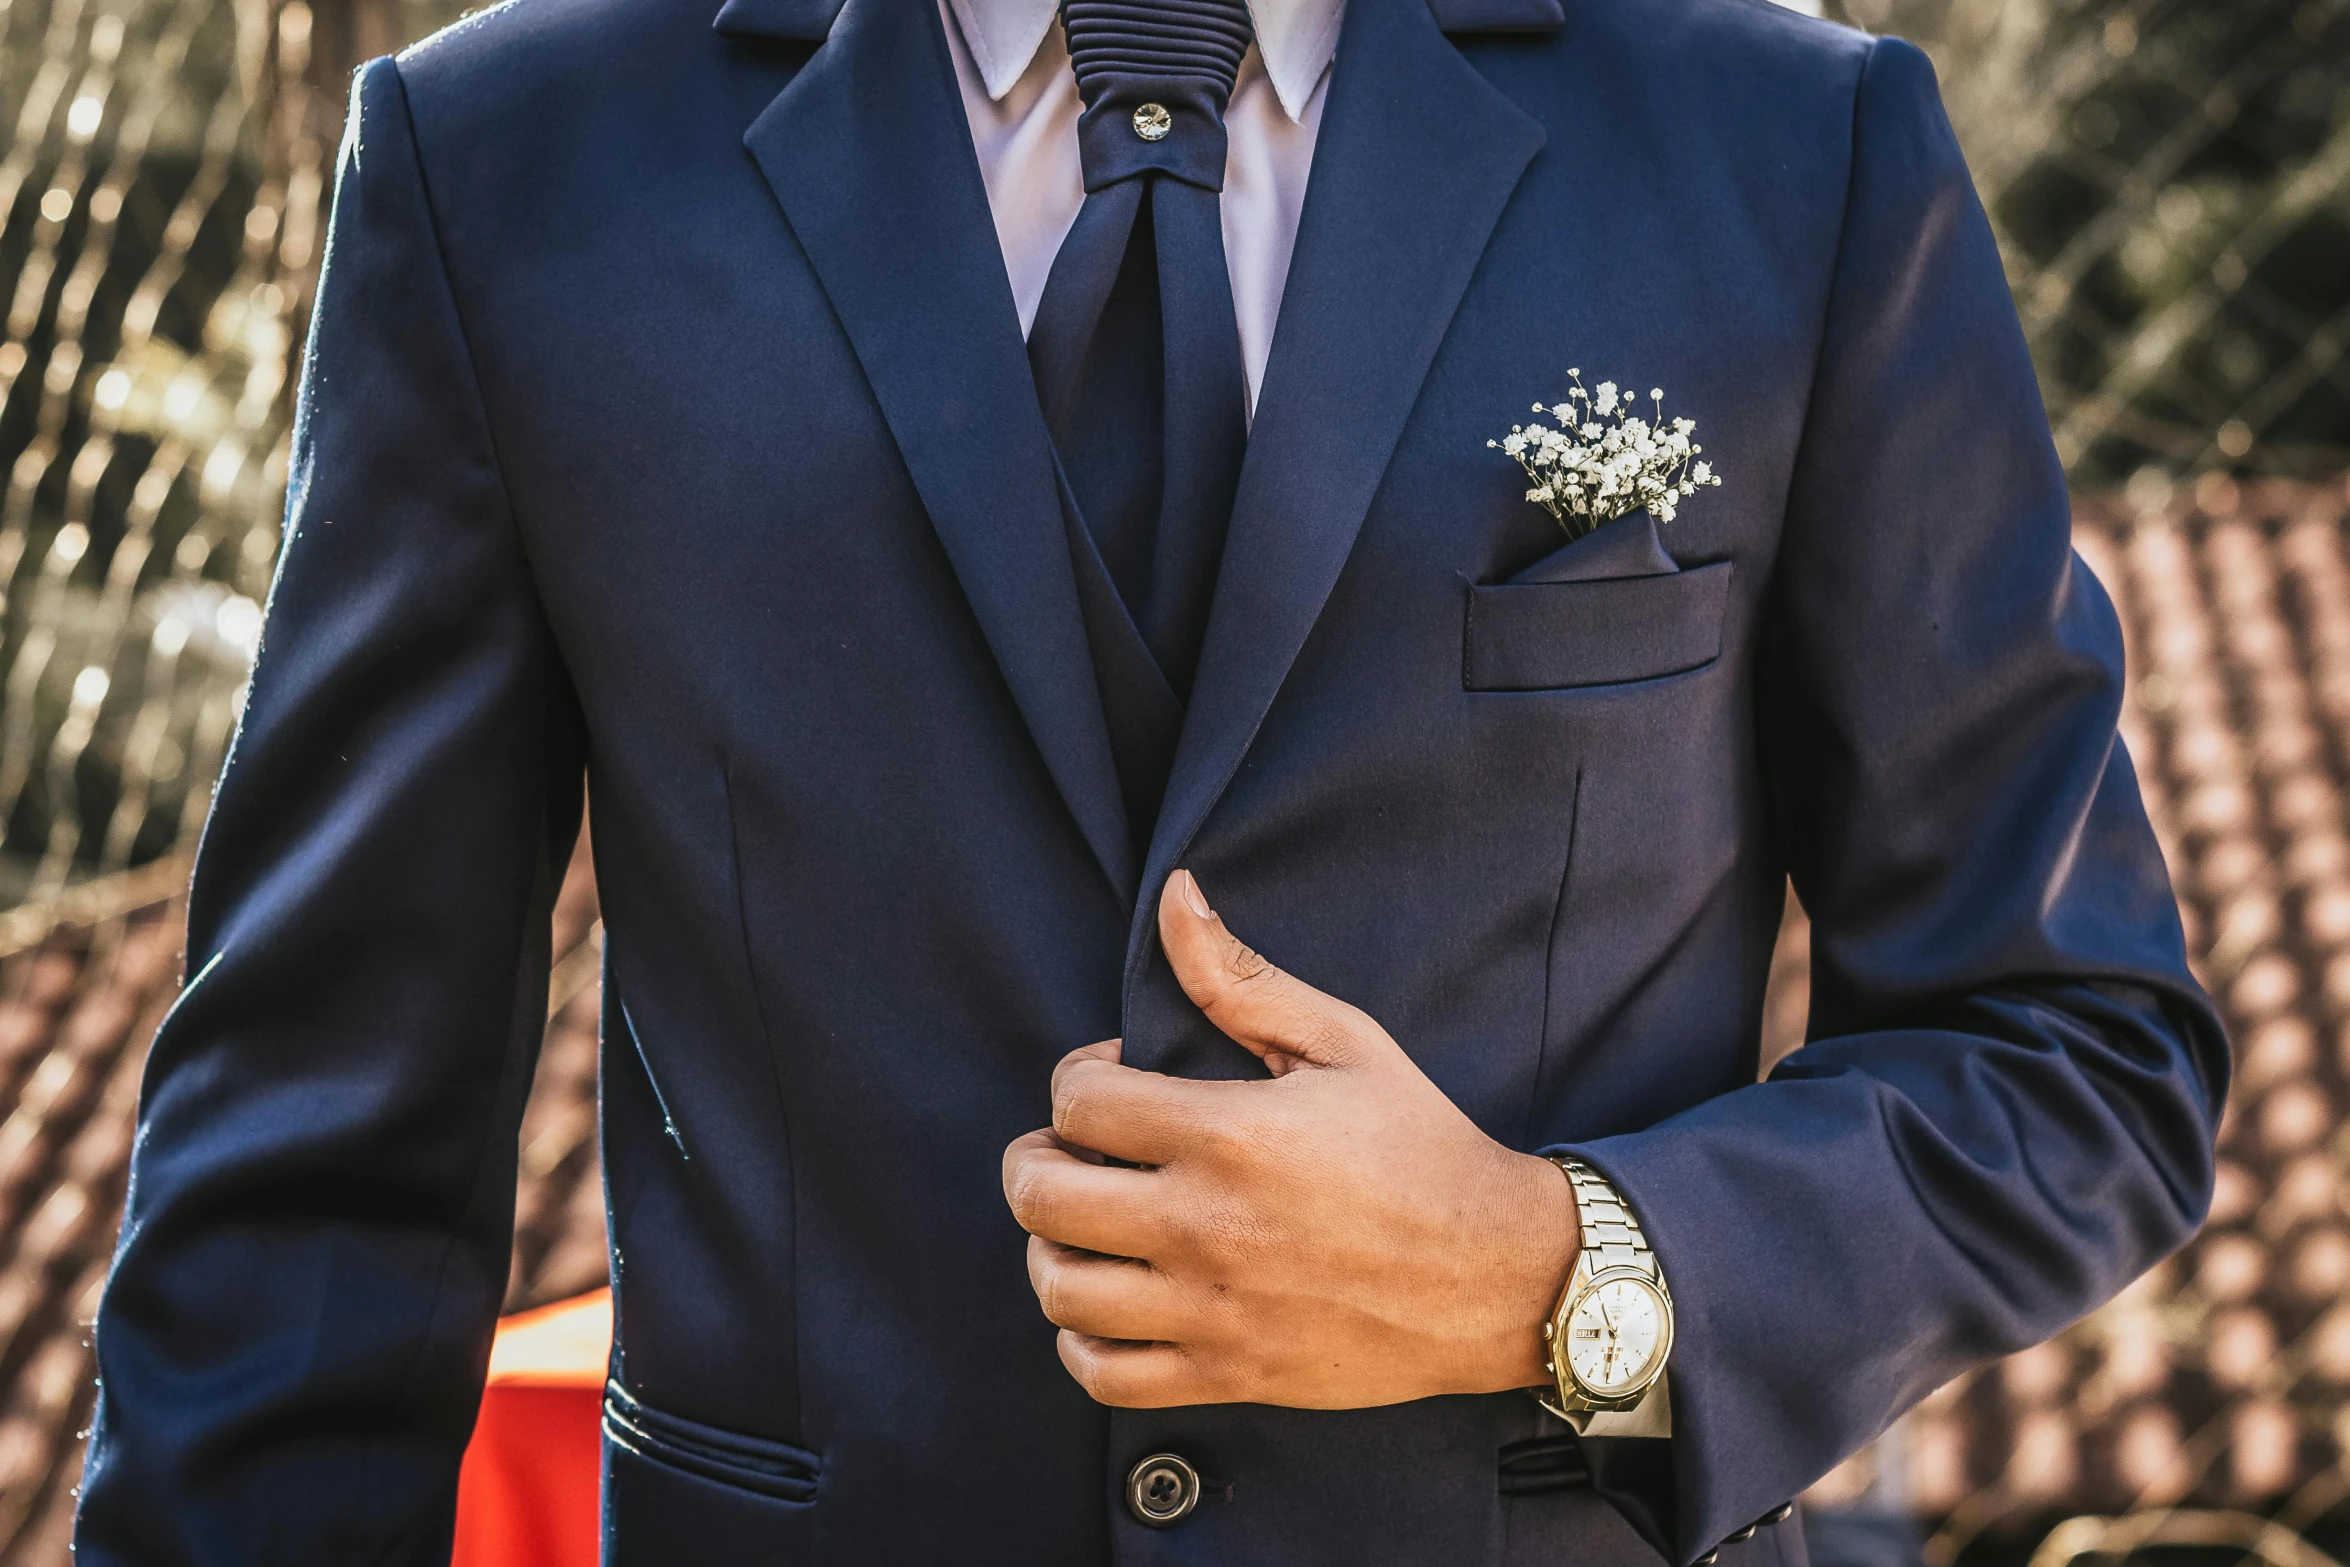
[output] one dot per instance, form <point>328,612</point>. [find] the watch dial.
<point>1614,1332</point>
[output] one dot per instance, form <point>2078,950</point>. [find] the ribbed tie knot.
<point>1155,77</point>
<point>1137,360</point>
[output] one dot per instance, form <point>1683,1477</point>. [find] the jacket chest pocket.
<point>1556,636</point>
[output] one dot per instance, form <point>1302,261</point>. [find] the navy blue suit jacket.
<point>666,418</point>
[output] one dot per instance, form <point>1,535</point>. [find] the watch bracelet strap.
<point>1611,1236</point>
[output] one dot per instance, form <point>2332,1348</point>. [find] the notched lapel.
<point>803,21</point>
<point>869,154</point>
<point>1416,160</point>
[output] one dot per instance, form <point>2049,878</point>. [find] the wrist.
<point>1537,1260</point>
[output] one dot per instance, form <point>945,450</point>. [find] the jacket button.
<point>1737,1535</point>
<point>1162,1490</point>
<point>1780,1513</point>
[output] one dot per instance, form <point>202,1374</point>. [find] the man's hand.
<point>1339,1237</point>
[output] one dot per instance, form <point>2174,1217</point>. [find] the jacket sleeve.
<point>2006,1105</point>
<point>292,1341</point>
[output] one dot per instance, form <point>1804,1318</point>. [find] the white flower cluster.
<point>1590,471</point>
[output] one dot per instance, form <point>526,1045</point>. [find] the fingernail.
<point>1192,896</point>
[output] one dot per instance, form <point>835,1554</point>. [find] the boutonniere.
<point>1588,470</point>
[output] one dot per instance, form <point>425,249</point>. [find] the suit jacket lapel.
<point>1416,159</point>
<point>869,153</point>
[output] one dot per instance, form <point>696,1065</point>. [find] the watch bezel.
<point>1572,1388</point>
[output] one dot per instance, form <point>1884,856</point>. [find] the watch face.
<point>1617,1335</point>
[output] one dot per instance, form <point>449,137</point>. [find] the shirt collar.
<point>1295,38</point>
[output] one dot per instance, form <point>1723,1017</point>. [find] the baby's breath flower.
<point>1587,471</point>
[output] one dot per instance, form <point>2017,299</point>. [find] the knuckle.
<point>1231,1140</point>
<point>1182,1236</point>
<point>1051,1282</point>
<point>1253,1379</point>
<point>1194,1377</point>
<point>1015,1166</point>
<point>1322,1034</point>
<point>1207,1234</point>
<point>1234,994</point>
<point>1068,1094</point>
<point>1134,1381</point>
<point>1247,1122</point>
<point>1088,1365</point>
<point>1025,1189</point>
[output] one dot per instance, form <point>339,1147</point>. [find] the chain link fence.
<point>2171,184</point>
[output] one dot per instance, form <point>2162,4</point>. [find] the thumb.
<point>1274,1015</point>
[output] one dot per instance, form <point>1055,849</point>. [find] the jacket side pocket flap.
<point>754,1463</point>
<point>1551,636</point>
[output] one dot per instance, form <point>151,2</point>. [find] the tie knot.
<point>1155,77</point>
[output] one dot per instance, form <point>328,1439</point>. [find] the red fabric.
<point>527,1494</point>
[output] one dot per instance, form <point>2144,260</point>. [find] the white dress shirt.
<point>1021,96</point>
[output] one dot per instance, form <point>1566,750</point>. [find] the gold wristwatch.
<point>1607,1339</point>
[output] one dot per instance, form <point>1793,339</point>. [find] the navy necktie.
<point>1135,347</point>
